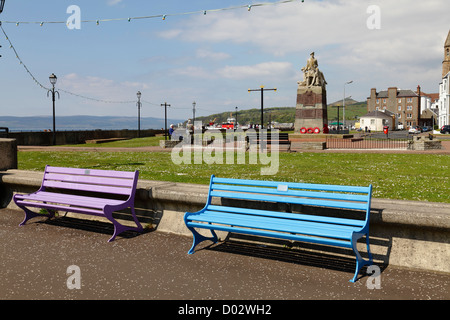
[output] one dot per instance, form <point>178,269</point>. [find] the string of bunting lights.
<point>163,16</point>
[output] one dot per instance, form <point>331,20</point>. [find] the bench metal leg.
<point>119,228</point>
<point>31,214</point>
<point>200,238</point>
<point>360,262</point>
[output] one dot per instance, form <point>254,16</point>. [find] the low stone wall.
<point>309,145</point>
<point>8,154</point>
<point>409,234</point>
<point>75,137</point>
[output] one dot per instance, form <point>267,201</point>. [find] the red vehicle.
<point>230,124</point>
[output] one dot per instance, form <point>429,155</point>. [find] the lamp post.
<point>165,105</point>
<point>343,106</point>
<point>138,94</point>
<point>53,80</point>
<point>2,4</point>
<point>262,101</point>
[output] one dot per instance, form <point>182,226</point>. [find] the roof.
<point>400,93</point>
<point>447,42</point>
<point>378,114</point>
<point>432,96</point>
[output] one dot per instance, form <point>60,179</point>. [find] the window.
<point>399,108</point>
<point>409,100</point>
<point>384,100</point>
<point>408,107</point>
<point>409,116</point>
<point>372,121</point>
<point>399,115</point>
<point>399,100</point>
<point>378,100</point>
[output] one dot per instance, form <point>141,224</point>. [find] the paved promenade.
<point>155,265</point>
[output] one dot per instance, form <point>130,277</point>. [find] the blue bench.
<point>93,192</point>
<point>313,228</point>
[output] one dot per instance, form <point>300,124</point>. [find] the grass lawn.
<point>394,176</point>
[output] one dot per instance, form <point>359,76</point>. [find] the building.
<point>444,87</point>
<point>404,104</point>
<point>428,109</point>
<point>376,120</point>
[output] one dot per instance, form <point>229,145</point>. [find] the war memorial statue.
<point>311,108</point>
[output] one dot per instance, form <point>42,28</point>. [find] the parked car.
<point>445,129</point>
<point>415,129</point>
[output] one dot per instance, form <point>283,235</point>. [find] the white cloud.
<point>113,2</point>
<point>272,70</point>
<point>211,55</point>
<point>411,32</point>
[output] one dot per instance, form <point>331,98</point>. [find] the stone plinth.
<point>8,154</point>
<point>311,109</point>
<point>423,143</point>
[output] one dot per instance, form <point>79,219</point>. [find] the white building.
<point>444,101</point>
<point>444,87</point>
<point>376,120</point>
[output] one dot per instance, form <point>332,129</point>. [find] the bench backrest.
<point>322,195</point>
<point>101,181</point>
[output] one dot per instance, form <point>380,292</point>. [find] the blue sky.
<point>213,59</point>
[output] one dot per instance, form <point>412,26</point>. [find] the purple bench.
<point>93,192</point>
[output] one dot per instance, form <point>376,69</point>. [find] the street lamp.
<point>2,4</point>
<point>343,106</point>
<point>138,94</point>
<point>53,80</point>
<point>165,105</point>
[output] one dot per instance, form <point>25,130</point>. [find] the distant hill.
<point>353,110</point>
<point>41,123</point>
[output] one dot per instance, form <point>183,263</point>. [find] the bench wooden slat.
<point>310,202</point>
<point>86,187</point>
<point>294,216</point>
<point>274,224</point>
<point>91,172</point>
<point>69,199</point>
<point>292,192</point>
<point>292,185</point>
<point>118,182</point>
<point>60,207</point>
<point>266,233</point>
